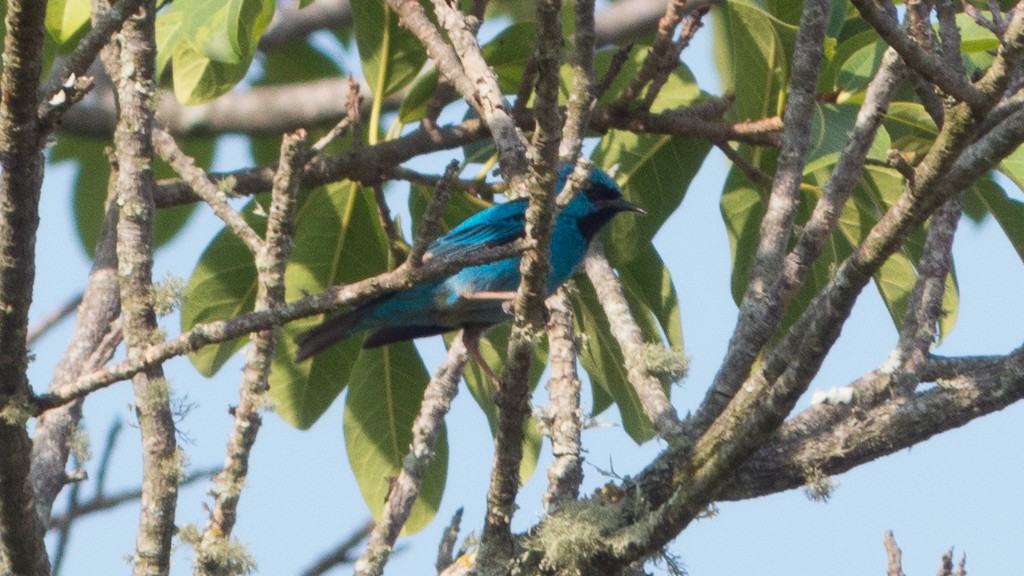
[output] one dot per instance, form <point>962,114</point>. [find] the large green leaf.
<point>337,240</point>
<point>91,180</point>
<point>211,43</point>
<point>222,286</point>
<point>391,55</point>
<point>383,400</point>
<point>602,358</point>
<point>753,50</point>
<point>742,206</point>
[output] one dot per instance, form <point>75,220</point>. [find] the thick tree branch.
<point>836,438</point>
<point>21,159</point>
<point>131,61</point>
<point>99,308</point>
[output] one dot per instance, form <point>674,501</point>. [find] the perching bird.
<point>479,296</point>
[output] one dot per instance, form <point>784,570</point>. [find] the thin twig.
<point>53,318</point>
<point>430,226</point>
<point>446,550</point>
<point>201,184</point>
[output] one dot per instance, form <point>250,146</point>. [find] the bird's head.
<point>597,203</point>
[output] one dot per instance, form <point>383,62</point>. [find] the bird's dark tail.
<point>330,331</point>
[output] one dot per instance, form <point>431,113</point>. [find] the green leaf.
<point>383,400</point>
<point>742,210</point>
<point>602,358</point>
<point>753,50</point>
<point>211,43</point>
<point>647,280</point>
<point>67,20</point>
<point>391,55</point>
<point>507,54</point>
<point>337,240</point>
<point>199,79</point>
<point>858,70</point>
<point>1013,167</point>
<point>222,286</point>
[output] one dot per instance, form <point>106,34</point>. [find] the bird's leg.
<point>471,338</point>
<point>506,297</point>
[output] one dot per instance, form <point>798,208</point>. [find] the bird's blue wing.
<point>494,226</point>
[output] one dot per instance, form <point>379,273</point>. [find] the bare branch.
<point>272,256</point>
<point>627,333</point>
<point>760,311</point>
<point>894,556</point>
<point>430,226</point>
<point>563,417</point>
<point>211,193</point>
<point>131,61</point>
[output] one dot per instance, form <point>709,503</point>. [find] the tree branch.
<point>131,61</point>
<point>627,333</point>
<point>21,176</point>
<point>760,310</point>
<point>271,254</point>
<point>563,418</point>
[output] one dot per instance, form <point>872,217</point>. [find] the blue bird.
<point>479,296</point>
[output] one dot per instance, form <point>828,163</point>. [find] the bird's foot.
<point>471,338</point>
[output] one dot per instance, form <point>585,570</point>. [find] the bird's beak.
<point>622,205</point>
